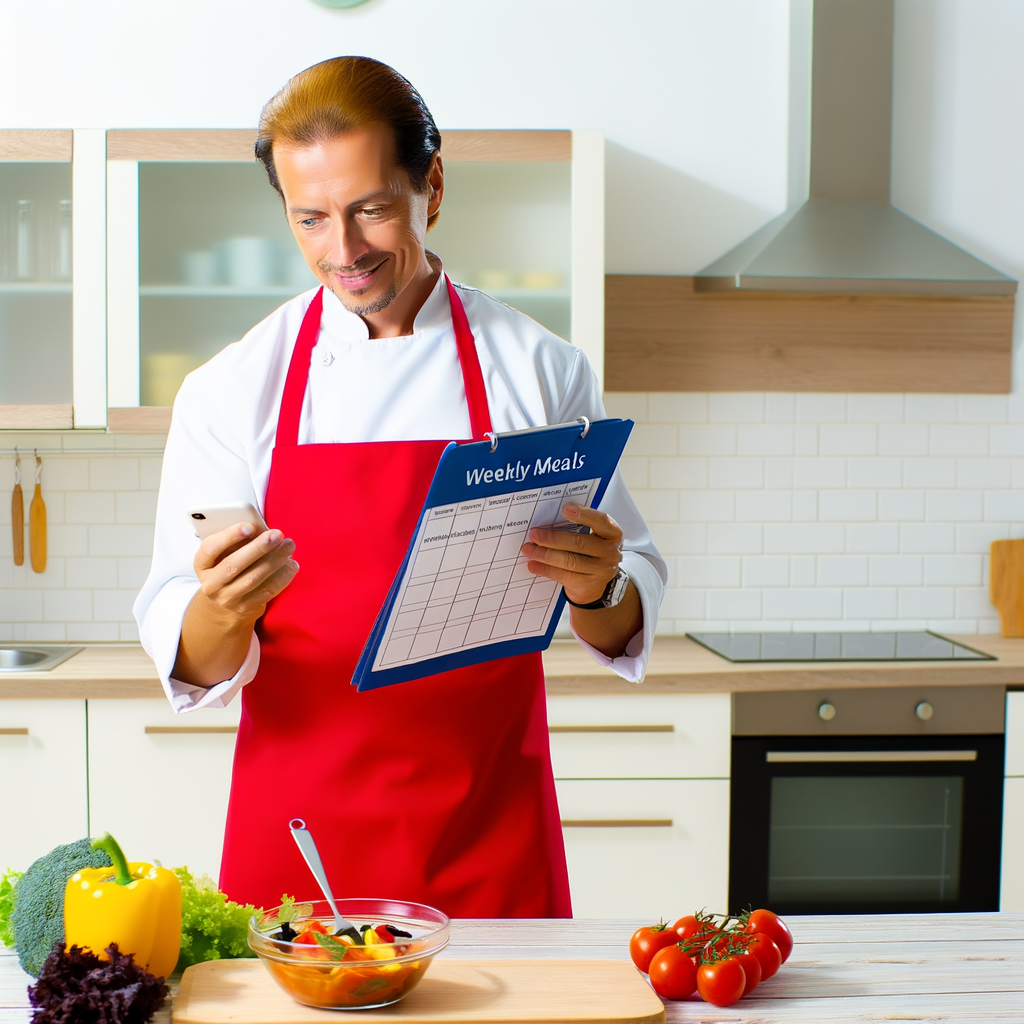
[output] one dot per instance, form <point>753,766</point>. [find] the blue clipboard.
<point>462,595</point>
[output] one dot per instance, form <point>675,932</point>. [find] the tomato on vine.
<point>721,982</point>
<point>767,923</point>
<point>767,954</point>
<point>673,973</point>
<point>647,941</point>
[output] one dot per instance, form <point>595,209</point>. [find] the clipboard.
<point>463,594</point>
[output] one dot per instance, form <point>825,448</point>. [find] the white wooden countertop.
<point>677,665</point>
<point>919,967</point>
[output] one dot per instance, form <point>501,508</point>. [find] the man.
<point>330,416</point>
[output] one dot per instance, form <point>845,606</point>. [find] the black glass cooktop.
<point>913,645</point>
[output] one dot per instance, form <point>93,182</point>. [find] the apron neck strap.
<point>302,354</point>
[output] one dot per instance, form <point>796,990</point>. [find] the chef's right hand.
<point>240,570</point>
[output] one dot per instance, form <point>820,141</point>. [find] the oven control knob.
<point>826,711</point>
<point>924,711</point>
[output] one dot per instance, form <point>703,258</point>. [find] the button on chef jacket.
<point>360,389</point>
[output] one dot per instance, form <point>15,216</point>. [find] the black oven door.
<point>866,824</point>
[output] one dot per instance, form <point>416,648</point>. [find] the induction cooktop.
<point>912,645</point>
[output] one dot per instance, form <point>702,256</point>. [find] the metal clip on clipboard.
<point>493,437</point>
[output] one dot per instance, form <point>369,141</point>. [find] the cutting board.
<point>1006,584</point>
<point>451,992</point>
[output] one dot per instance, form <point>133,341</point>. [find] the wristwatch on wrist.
<point>612,595</point>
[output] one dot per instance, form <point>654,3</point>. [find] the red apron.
<point>438,791</point>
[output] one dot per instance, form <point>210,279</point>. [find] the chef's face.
<point>358,219</point>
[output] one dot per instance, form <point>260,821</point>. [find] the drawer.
<point>646,848</point>
<point>43,799</point>
<point>640,736</point>
<point>159,782</point>
<point>1011,890</point>
<point>1015,733</point>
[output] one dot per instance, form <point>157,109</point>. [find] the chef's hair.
<point>339,95</point>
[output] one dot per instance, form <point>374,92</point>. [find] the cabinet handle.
<point>616,823</point>
<point>611,728</point>
<point>163,730</point>
<point>865,756</point>
<point>13,731</point>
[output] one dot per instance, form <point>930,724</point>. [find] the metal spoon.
<point>307,847</point>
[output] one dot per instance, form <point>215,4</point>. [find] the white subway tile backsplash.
<point>874,408</point>
<point>902,439</point>
<point>736,472</point>
<point>779,407</point>
<point>929,473</point>
<point>707,506</point>
<point>961,439</point>
<point>136,506</point>
<point>124,540</point>
<point>766,571</point>
<point>875,472</point>
<point>635,470</point>
<point>699,439</point>
<point>726,407</point>
<point>653,439</point>
<point>819,473</point>
<point>871,538</point>
<point>805,439</point>
<point>709,571</point>
<point>842,570</point>
<point>70,541</point>
<point>684,604</point>
<point>735,538</point>
<point>734,604</point>
<point>792,538</point>
<point>765,439</point>
<point>953,570</point>
<point>974,603</point>
<point>149,472</point>
<point>21,606</point>
<point>926,603</point>
<point>984,473</point>
<point>930,408</point>
<point>61,474</point>
<point>812,408</point>
<point>119,473</point>
<point>803,571</point>
<point>925,538</point>
<point>655,506</point>
<point>848,439</point>
<point>869,603</point>
<point>90,507</point>
<point>901,505</point>
<point>778,473</point>
<point>85,573</point>
<point>981,408</point>
<point>1007,440</point>
<point>805,506</point>
<point>676,407</point>
<point>847,506</point>
<point>799,603</point>
<point>686,473</point>
<point>67,605</point>
<point>680,538</point>
<point>954,506</point>
<point>977,537</point>
<point>1006,506</point>
<point>896,570</point>
<point>112,605</point>
<point>764,506</point>
<point>94,632</point>
<point>627,405</point>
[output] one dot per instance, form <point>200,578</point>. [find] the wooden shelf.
<point>141,419</point>
<point>662,335</point>
<point>36,417</point>
<point>49,145</point>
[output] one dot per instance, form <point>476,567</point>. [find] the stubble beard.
<point>353,303</point>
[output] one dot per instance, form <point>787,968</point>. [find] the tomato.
<point>721,983</point>
<point>775,928</point>
<point>673,973</point>
<point>687,927</point>
<point>752,969</point>
<point>647,941</point>
<point>767,953</point>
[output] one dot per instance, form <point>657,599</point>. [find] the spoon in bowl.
<point>307,847</point>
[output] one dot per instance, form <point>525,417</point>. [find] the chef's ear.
<point>435,188</point>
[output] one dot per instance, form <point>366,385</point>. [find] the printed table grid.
<point>467,583</point>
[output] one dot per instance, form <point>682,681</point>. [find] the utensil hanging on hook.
<point>18,513</point>
<point>37,523</point>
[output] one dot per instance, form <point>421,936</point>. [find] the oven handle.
<point>865,756</point>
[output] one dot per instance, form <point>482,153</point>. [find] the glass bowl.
<point>334,976</point>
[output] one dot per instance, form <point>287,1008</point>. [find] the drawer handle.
<point>866,756</point>
<point>13,731</point>
<point>616,823</point>
<point>611,728</point>
<point>163,730</point>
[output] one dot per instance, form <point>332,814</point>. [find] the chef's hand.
<point>239,572</point>
<point>584,563</point>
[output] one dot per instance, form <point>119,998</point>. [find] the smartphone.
<point>213,518</point>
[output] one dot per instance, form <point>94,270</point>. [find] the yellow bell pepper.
<point>136,905</point>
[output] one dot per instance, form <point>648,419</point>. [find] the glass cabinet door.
<point>35,281</point>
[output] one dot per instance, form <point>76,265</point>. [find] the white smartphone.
<point>213,518</point>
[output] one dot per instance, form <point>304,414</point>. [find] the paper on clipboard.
<point>464,594</point>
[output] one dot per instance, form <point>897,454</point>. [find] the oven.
<point>867,801</point>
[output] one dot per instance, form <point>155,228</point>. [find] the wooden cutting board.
<point>1006,584</point>
<point>451,992</point>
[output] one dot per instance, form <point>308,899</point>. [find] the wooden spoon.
<point>37,523</point>
<point>18,515</point>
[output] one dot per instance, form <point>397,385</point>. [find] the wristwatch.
<point>612,595</point>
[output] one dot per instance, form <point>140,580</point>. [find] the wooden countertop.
<point>948,967</point>
<point>678,665</point>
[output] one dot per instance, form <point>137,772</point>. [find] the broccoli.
<point>38,915</point>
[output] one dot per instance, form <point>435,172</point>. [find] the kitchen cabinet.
<point>1011,893</point>
<point>159,781</point>
<point>52,306</point>
<point>198,250</point>
<point>643,791</point>
<point>43,792</point>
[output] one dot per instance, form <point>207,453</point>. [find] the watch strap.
<point>605,600</point>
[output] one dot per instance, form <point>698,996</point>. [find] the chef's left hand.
<point>582,562</point>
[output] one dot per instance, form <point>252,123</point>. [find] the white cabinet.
<point>1012,884</point>
<point>643,792</point>
<point>159,782</point>
<point>43,797</point>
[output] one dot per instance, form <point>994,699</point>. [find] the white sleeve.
<point>640,558</point>
<point>204,464</point>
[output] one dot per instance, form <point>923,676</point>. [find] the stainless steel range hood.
<point>846,237</point>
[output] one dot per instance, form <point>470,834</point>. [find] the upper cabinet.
<point>198,249</point>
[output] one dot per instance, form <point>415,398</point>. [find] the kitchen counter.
<point>678,665</point>
<point>955,967</point>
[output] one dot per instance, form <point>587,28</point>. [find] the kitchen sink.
<point>21,658</point>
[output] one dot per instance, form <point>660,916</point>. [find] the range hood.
<point>846,236</point>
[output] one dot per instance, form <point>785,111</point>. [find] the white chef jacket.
<point>386,389</point>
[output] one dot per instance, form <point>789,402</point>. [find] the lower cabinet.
<point>43,791</point>
<point>1011,889</point>
<point>159,781</point>
<point>648,848</point>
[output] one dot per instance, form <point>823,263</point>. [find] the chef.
<point>329,417</point>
